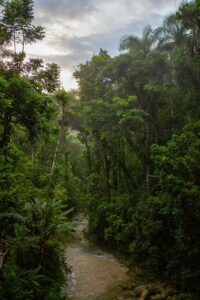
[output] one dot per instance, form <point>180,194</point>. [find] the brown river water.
<point>95,273</point>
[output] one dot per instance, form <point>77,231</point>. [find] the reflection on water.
<point>93,271</point>
<point>88,249</point>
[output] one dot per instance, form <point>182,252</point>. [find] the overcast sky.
<point>76,29</point>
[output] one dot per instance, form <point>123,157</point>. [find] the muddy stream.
<point>95,273</point>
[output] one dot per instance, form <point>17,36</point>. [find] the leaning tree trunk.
<point>59,141</point>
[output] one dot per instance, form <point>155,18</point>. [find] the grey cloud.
<point>82,48</point>
<point>85,46</point>
<point>158,4</point>
<point>68,61</point>
<point>68,9</point>
<point>61,11</point>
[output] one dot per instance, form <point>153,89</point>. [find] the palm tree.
<point>145,43</point>
<point>171,34</point>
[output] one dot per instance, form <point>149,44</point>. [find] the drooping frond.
<point>129,43</point>
<point>145,42</point>
<point>171,34</point>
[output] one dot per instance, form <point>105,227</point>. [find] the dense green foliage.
<point>125,148</point>
<point>139,121</point>
<point>35,203</point>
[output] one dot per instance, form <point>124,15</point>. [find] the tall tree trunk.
<point>15,48</point>
<point>23,42</point>
<point>59,141</point>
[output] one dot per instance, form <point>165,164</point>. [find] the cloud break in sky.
<point>77,29</point>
